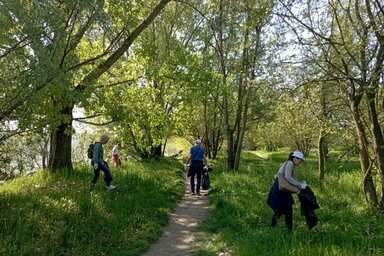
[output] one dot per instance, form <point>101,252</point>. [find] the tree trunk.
<point>156,151</point>
<point>321,149</point>
<point>378,140</point>
<point>61,143</point>
<point>368,185</point>
<point>231,143</point>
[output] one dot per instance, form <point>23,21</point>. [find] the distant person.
<point>197,161</point>
<point>115,155</point>
<point>282,202</point>
<point>99,164</point>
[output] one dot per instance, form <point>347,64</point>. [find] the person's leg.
<point>192,179</point>
<point>192,182</point>
<point>116,160</point>
<point>289,219</point>
<point>275,218</point>
<point>198,185</point>
<point>96,174</point>
<point>107,173</point>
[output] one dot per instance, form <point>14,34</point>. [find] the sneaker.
<point>110,187</point>
<point>198,194</point>
<point>192,193</point>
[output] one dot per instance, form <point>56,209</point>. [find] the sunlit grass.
<point>240,220</point>
<point>54,214</point>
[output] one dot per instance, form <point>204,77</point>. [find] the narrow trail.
<point>178,237</point>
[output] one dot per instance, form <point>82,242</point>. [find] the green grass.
<point>54,214</point>
<point>239,222</point>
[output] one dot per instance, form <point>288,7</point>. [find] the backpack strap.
<point>193,157</point>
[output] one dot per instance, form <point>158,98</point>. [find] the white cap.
<point>298,154</point>
<point>198,142</point>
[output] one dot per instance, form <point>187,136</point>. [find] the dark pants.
<point>102,166</point>
<point>281,204</point>
<point>196,169</point>
<point>288,218</point>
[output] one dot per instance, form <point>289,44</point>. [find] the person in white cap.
<point>282,202</point>
<point>198,161</point>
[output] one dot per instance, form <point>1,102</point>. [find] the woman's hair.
<point>104,138</point>
<point>290,157</point>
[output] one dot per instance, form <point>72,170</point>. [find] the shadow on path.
<point>178,238</point>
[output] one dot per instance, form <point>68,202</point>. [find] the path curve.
<point>178,237</point>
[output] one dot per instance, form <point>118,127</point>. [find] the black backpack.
<point>90,150</point>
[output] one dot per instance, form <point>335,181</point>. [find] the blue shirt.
<point>199,156</point>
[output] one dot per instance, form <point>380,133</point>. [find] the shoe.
<point>91,186</point>
<point>192,193</point>
<point>110,187</point>
<point>198,194</point>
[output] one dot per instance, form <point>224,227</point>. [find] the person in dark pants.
<point>282,202</point>
<point>198,162</point>
<point>99,164</point>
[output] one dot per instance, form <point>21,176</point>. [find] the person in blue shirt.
<point>198,161</point>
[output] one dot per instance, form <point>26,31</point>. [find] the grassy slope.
<point>55,214</point>
<point>239,222</point>
<point>49,214</point>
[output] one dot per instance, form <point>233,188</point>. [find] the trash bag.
<point>206,184</point>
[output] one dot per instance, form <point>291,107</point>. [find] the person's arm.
<point>188,160</point>
<point>288,174</point>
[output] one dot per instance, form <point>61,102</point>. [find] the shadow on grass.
<point>240,219</point>
<point>61,217</point>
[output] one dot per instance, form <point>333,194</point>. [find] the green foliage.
<point>240,219</point>
<point>54,214</point>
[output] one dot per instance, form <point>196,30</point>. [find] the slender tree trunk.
<point>378,140</point>
<point>61,143</point>
<point>230,141</point>
<point>321,149</point>
<point>243,126</point>
<point>368,184</point>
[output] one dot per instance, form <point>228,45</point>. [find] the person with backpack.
<point>198,162</point>
<point>98,163</point>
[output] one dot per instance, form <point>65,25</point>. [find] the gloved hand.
<point>205,168</point>
<point>95,166</point>
<point>303,185</point>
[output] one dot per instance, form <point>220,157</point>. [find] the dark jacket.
<point>308,205</point>
<point>280,201</point>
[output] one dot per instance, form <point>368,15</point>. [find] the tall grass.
<point>239,222</point>
<point>54,214</point>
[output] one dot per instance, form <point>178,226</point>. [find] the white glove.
<point>303,185</point>
<point>205,168</point>
<point>95,166</point>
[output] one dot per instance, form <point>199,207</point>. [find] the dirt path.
<point>178,238</point>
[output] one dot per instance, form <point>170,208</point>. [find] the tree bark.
<point>368,184</point>
<point>61,143</point>
<point>378,140</point>
<point>321,149</point>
